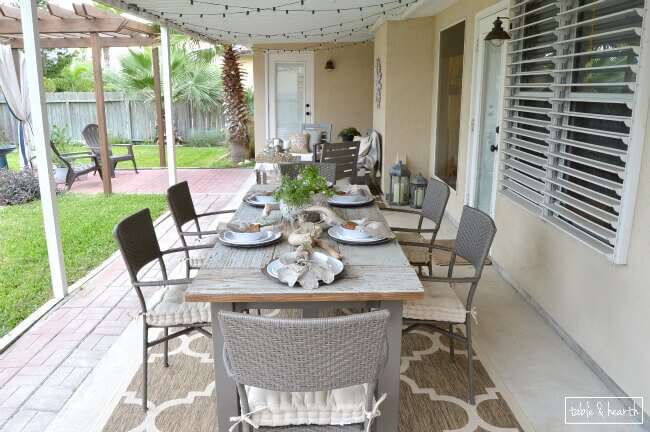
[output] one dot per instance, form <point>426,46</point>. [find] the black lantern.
<point>418,189</point>
<point>399,184</point>
<point>497,35</point>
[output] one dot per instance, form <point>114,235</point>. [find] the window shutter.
<point>581,141</point>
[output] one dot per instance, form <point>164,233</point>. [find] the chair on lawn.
<point>433,209</point>
<point>91,136</point>
<point>341,356</point>
<point>344,155</point>
<point>441,306</point>
<point>167,307</point>
<point>183,211</point>
<point>75,170</point>
<point>293,169</point>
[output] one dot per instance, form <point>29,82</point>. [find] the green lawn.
<point>146,156</point>
<point>87,241</point>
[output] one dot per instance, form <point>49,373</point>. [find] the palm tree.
<point>235,106</point>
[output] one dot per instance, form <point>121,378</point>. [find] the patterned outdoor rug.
<point>433,391</point>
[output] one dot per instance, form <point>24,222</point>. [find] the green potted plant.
<point>296,194</point>
<point>64,144</point>
<point>348,134</point>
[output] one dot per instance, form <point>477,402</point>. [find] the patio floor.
<point>44,367</point>
<point>201,181</point>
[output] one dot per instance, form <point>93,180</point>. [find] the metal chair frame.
<point>183,212</point>
<point>139,246</point>
<point>289,355</point>
<point>476,231</point>
<point>436,198</point>
<point>344,155</point>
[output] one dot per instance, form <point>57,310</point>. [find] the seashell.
<point>329,216</point>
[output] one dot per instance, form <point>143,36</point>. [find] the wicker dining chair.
<point>327,170</point>
<point>433,209</point>
<point>304,355</point>
<point>91,136</point>
<point>183,211</point>
<point>166,308</point>
<point>344,155</point>
<point>441,306</point>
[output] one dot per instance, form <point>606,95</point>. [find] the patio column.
<point>41,134</point>
<point>169,113</point>
<point>158,102</point>
<point>107,169</point>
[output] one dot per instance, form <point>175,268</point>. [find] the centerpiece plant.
<point>294,194</point>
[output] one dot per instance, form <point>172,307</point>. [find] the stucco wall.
<point>406,52</point>
<point>342,97</point>
<point>603,307</point>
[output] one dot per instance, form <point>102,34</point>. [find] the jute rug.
<point>433,391</point>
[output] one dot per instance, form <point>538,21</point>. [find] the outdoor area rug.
<point>433,391</point>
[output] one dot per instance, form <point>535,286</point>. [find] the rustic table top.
<point>372,273</point>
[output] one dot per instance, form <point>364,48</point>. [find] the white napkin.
<point>374,228</point>
<point>299,267</point>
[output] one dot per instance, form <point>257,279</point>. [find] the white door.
<point>290,97</point>
<point>488,81</point>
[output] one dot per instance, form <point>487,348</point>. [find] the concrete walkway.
<point>41,370</point>
<point>202,181</point>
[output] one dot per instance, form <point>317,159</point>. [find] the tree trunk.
<point>235,107</point>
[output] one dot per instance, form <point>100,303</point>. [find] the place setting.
<point>350,196</point>
<point>249,235</point>
<point>260,199</point>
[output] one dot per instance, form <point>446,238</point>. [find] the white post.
<point>41,134</point>
<point>167,95</point>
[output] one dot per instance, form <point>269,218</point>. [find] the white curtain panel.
<point>15,93</point>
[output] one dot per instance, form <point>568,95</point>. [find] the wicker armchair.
<point>139,247</point>
<point>433,209</point>
<point>183,211</point>
<point>91,136</point>
<point>75,170</point>
<point>287,355</point>
<point>441,306</point>
<point>327,170</point>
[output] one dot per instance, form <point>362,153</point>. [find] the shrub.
<point>62,140</point>
<point>117,139</point>
<point>212,138</point>
<point>18,187</point>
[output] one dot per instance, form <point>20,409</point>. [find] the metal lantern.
<point>418,189</point>
<point>399,184</point>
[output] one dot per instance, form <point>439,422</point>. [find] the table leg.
<point>390,378</point>
<point>225,390</point>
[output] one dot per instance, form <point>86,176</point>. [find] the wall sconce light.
<point>329,65</point>
<point>497,35</point>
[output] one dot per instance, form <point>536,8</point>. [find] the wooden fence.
<point>128,119</point>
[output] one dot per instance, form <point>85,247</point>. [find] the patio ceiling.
<point>249,22</point>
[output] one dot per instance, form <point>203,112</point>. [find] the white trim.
<point>272,56</point>
<point>169,108</point>
<point>41,133</point>
<point>473,153</point>
<point>635,150</point>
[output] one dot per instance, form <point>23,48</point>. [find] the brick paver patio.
<point>156,181</point>
<point>41,370</point>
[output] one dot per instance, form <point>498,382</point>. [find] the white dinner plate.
<point>339,233</point>
<point>351,200</point>
<point>260,200</point>
<point>228,238</point>
<point>335,265</point>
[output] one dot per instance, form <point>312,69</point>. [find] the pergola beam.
<point>158,102</point>
<point>107,169</point>
<point>40,130</point>
<point>169,111</point>
<point>86,42</point>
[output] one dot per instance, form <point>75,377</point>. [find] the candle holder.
<point>399,184</point>
<point>418,190</point>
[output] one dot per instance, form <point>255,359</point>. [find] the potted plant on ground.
<point>63,144</point>
<point>296,194</point>
<point>348,134</point>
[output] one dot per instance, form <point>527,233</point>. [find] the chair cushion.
<point>333,407</point>
<point>439,304</point>
<point>413,253</point>
<point>167,307</point>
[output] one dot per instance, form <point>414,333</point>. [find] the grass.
<point>87,241</point>
<point>146,156</point>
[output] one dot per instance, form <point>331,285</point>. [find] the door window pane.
<point>450,85</point>
<point>289,98</point>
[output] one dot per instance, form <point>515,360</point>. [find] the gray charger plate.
<point>353,243</point>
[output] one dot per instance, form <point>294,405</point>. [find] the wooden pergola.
<point>86,26</point>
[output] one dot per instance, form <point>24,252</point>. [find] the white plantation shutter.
<point>572,100</point>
